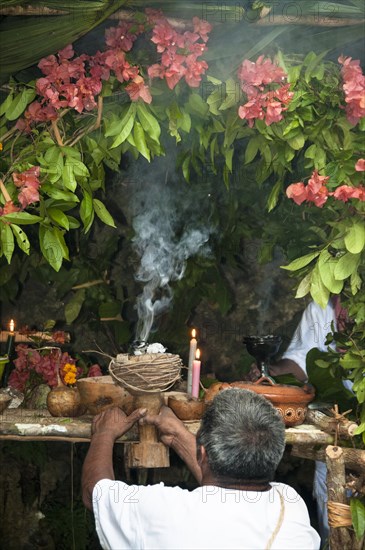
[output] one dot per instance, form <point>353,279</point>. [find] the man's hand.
<point>168,425</point>
<point>115,422</point>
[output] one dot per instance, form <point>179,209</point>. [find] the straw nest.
<point>147,373</point>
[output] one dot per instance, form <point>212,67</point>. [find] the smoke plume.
<point>169,228</point>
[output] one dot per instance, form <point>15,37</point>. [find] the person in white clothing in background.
<point>234,456</point>
<point>316,323</point>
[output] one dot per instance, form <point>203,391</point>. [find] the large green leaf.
<point>44,35</point>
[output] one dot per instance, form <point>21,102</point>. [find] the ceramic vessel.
<point>290,401</point>
<point>64,401</point>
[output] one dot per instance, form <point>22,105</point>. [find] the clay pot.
<point>101,392</point>
<point>64,401</point>
<point>185,407</point>
<point>290,401</point>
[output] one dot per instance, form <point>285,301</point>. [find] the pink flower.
<point>120,37</point>
<point>66,53</point>
<point>94,370</point>
<point>29,183</point>
<point>297,192</point>
<point>317,191</point>
<point>346,192</point>
<point>138,89</point>
<point>360,165</point>
<point>8,208</point>
<point>354,88</point>
<point>28,177</point>
<point>164,36</point>
<point>202,27</point>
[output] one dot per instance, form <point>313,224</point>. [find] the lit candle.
<point>10,340</point>
<point>196,375</point>
<point>192,351</point>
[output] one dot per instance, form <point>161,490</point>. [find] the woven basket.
<point>147,373</point>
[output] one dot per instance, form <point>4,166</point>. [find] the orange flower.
<point>69,371</point>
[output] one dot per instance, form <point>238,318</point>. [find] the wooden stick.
<point>57,133</point>
<point>344,427</point>
<point>340,537</point>
<point>29,338</point>
<point>354,458</point>
<point>4,191</point>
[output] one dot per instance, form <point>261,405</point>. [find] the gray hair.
<point>243,435</point>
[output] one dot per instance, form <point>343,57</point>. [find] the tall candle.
<point>192,351</point>
<point>196,375</point>
<point>9,351</point>
<point>10,340</point>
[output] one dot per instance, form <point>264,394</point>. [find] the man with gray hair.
<point>237,505</point>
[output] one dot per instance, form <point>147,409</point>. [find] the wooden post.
<point>340,537</point>
<point>149,452</point>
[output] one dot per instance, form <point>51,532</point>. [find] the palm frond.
<point>25,40</point>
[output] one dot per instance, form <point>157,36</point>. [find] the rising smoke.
<point>169,227</point>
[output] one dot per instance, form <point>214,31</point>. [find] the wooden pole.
<point>354,458</point>
<point>340,537</point>
<point>344,427</point>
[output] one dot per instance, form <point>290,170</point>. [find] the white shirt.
<point>156,517</point>
<point>311,332</point>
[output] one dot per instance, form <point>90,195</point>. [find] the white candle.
<point>192,351</point>
<point>196,375</point>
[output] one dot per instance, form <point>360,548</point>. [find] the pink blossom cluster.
<point>354,88</point>
<point>179,51</point>
<point>266,100</point>
<point>317,192</point>
<point>40,366</point>
<point>75,82</point>
<point>28,183</point>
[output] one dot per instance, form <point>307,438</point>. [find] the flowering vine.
<point>316,190</point>
<point>266,100</point>
<point>354,88</point>
<point>180,51</point>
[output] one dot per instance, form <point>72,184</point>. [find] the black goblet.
<point>262,348</point>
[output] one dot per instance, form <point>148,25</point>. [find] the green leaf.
<point>78,167</point>
<point>140,141</point>
<point>300,262</point>
<point>304,286</point>
<point>73,307</point>
<point>19,103</point>
<point>102,213</point>
<point>23,218</point>
<point>358,516</point>
<point>59,194</point>
<point>51,247</point>
<point>326,265</point>
<point>251,150</point>
<point>149,122</point>
<point>126,126</point>
<point>297,142</point>
<point>350,361</point>
<point>274,195</point>
<point>346,265</point>
<point>319,292</point>
<point>58,217</point>
<point>87,211</point>
<point>6,104</point>
<point>355,237</point>
<point>186,168</point>
<point>21,238</point>
<point>7,241</point>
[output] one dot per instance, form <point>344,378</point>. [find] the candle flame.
<point>197,354</point>
<point>11,325</point>
<point>193,333</point>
